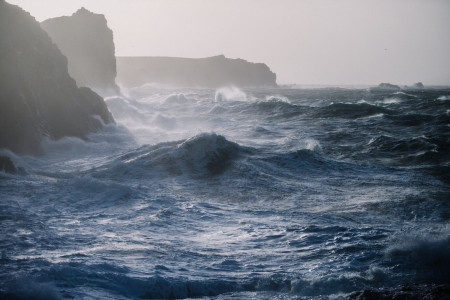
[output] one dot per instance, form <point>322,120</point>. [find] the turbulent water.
<point>235,194</point>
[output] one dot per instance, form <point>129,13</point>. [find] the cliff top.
<point>219,58</point>
<point>81,14</point>
<point>214,71</point>
<point>82,10</point>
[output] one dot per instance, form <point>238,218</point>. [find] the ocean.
<point>269,193</point>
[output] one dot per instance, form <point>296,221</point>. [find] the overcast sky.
<point>304,42</point>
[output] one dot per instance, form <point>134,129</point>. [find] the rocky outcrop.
<point>6,165</point>
<point>87,41</point>
<point>213,72</point>
<point>386,87</point>
<point>416,86</point>
<point>38,98</point>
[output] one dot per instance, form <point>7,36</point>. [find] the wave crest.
<point>428,258</point>
<point>231,93</point>
<point>203,154</point>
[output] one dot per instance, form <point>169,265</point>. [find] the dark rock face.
<point>37,96</point>
<point>87,42</point>
<point>212,72</point>
<point>7,165</point>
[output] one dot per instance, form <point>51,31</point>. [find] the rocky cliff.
<point>87,41</point>
<point>37,96</point>
<point>213,72</point>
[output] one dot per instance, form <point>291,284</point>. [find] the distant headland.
<point>384,86</point>
<point>210,72</point>
<point>87,41</point>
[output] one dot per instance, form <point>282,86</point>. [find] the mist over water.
<point>235,194</point>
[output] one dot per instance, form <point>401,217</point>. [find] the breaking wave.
<point>203,154</point>
<point>427,257</point>
<point>231,93</point>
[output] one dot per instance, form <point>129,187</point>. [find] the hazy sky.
<point>305,42</point>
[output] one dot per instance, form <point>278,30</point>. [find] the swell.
<point>202,155</point>
<point>274,108</point>
<point>210,154</point>
<point>413,139</point>
<point>416,119</point>
<point>350,110</point>
<point>391,146</point>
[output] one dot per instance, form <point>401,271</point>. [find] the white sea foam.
<point>230,93</point>
<point>391,100</point>
<point>405,94</point>
<point>313,145</point>
<point>278,98</point>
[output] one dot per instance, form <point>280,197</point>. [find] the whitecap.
<point>230,93</point>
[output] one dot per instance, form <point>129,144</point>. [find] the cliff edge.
<point>38,98</point>
<point>87,41</point>
<point>212,72</point>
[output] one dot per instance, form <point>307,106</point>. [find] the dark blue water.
<point>231,194</point>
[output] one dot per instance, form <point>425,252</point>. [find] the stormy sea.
<point>269,193</point>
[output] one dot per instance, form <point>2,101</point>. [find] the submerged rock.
<point>38,97</point>
<point>87,41</point>
<point>212,72</point>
